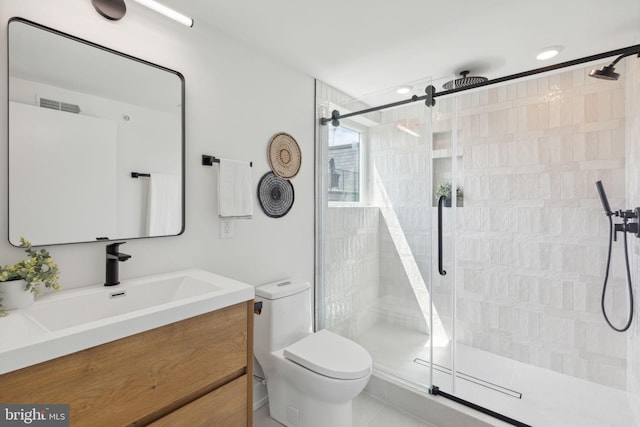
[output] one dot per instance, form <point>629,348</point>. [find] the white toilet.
<point>312,378</point>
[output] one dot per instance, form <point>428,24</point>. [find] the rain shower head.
<point>606,72</point>
<point>464,81</point>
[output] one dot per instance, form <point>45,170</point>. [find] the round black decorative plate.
<point>275,195</point>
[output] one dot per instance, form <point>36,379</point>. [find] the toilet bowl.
<point>312,378</point>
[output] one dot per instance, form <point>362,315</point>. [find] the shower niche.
<point>442,179</point>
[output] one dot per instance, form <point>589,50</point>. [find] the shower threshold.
<point>470,378</point>
<point>549,398</point>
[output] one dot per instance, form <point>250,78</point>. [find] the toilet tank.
<point>286,314</point>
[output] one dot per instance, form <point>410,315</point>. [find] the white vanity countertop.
<point>68,321</point>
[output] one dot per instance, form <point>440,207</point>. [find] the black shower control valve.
<point>626,226</point>
<point>627,214</point>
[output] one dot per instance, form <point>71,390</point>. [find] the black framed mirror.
<point>96,141</point>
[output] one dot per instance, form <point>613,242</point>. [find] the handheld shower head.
<point>625,227</point>
<point>603,198</point>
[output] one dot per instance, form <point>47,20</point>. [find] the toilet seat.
<point>330,355</point>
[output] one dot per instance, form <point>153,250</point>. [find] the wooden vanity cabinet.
<point>196,372</point>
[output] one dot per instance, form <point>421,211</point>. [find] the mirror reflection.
<point>96,141</point>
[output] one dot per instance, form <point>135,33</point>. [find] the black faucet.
<point>113,259</point>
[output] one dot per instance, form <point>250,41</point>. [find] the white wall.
<point>236,99</point>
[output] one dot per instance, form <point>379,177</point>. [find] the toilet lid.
<point>330,355</point>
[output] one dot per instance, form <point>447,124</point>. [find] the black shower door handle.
<point>441,270</point>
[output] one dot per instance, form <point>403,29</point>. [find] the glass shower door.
<point>524,248</point>
<point>399,173</point>
<point>460,371</point>
<point>445,188</point>
<point>374,255</point>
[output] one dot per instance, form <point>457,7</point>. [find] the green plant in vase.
<point>445,190</point>
<point>37,270</point>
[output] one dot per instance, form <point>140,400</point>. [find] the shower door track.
<point>429,98</point>
<point>472,379</point>
<point>435,390</point>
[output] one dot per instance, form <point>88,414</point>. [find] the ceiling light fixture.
<point>548,53</point>
<point>403,90</point>
<point>168,12</point>
<point>113,10</point>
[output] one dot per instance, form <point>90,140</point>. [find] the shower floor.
<point>548,398</point>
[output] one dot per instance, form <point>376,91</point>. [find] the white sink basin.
<point>73,320</point>
<point>73,308</point>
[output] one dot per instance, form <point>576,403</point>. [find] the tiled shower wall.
<point>400,175</point>
<point>365,278</point>
<point>632,91</point>
<point>532,236</point>
<point>351,269</point>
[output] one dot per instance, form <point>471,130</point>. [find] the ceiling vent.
<point>60,106</point>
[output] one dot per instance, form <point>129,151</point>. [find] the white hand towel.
<point>164,209</point>
<point>235,193</point>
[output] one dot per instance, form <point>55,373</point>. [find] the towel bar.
<point>210,160</point>
<point>140,174</point>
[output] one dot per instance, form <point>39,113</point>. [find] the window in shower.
<point>344,164</point>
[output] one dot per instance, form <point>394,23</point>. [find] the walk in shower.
<point>511,318</point>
